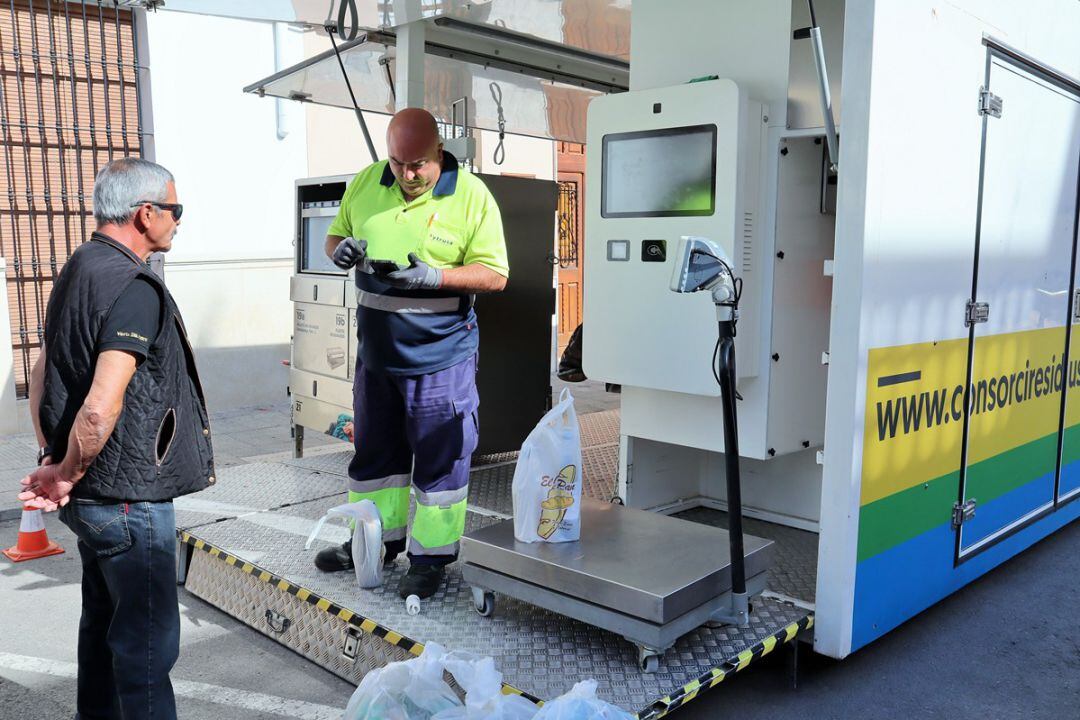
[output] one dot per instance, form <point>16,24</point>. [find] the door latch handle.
<point>278,623</point>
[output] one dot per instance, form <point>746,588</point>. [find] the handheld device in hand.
<point>383,267</point>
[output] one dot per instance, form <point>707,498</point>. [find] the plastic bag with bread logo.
<point>547,479</point>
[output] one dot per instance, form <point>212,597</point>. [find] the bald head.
<point>415,150</point>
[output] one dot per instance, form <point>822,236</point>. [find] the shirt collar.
<point>448,174</point>
<point>106,240</point>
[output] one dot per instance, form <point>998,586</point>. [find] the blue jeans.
<point>129,634</point>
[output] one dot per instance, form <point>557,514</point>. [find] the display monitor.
<point>313,257</point>
<point>659,173</point>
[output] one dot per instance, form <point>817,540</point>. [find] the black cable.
<point>737,285</point>
<point>715,367</point>
<point>813,15</point>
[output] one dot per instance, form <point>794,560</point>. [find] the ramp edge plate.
<point>658,709</point>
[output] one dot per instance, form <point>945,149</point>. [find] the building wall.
<point>232,259</point>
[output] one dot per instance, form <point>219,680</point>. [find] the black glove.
<point>418,276</point>
<point>349,252</point>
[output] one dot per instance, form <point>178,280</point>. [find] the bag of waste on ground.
<point>570,369</point>
<point>367,543</point>
<point>408,690</point>
<point>547,479</point>
<point>581,703</point>
<point>484,698</point>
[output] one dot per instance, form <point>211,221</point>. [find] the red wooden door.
<point>571,174</point>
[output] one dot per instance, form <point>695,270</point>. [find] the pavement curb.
<point>10,514</point>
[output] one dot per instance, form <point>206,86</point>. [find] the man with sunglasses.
<point>425,236</point>
<point>123,429</point>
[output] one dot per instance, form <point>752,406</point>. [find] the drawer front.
<point>321,339</point>
<point>352,343</point>
<point>321,387</point>
<point>320,291</point>
<point>316,414</point>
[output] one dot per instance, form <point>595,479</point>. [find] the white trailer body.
<point>945,263</point>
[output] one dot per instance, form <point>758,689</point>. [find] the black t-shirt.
<point>134,320</point>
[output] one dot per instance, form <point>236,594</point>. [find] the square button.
<point>618,250</point>
<point>653,250</point>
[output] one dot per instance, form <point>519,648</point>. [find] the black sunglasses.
<point>177,209</point>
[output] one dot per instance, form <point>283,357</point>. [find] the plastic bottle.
<point>367,544</point>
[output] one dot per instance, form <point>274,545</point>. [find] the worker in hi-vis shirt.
<point>424,236</point>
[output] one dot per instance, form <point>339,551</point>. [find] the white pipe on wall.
<point>280,63</point>
<point>9,416</point>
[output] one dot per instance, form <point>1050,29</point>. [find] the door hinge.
<point>989,103</point>
<point>1076,306</point>
<point>962,512</point>
<point>976,312</point>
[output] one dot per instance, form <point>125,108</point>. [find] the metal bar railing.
<point>52,104</point>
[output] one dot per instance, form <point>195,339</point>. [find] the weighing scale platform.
<point>647,577</point>
<point>247,559</point>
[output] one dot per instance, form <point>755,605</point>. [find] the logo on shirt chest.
<point>435,237</point>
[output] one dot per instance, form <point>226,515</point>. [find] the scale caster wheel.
<point>483,602</point>
<point>648,661</point>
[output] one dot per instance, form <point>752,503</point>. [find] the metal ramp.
<point>242,551</point>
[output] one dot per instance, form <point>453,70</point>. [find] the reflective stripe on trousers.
<point>391,496</point>
<point>439,522</point>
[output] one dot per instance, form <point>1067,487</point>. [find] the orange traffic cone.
<point>33,542</point>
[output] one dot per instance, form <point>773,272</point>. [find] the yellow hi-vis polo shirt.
<point>455,223</point>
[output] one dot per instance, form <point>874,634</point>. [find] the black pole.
<point>731,457</point>
<point>359,115</point>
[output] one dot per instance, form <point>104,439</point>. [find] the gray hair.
<point>122,183</point>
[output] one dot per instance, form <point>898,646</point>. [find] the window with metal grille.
<point>69,103</point>
<point>568,220</point>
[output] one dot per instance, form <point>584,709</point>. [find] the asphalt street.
<point>1007,646</point>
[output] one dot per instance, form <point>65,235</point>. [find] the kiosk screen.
<point>659,173</point>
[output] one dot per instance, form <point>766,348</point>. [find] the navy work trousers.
<point>422,428</point>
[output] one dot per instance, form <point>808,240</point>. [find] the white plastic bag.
<point>547,479</point>
<point>581,703</point>
<point>409,690</point>
<point>367,543</point>
<point>484,699</point>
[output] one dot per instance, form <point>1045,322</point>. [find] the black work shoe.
<point>335,559</point>
<point>421,581</point>
<point>391,549</point>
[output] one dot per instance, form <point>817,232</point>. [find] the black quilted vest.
<point>161,447</point>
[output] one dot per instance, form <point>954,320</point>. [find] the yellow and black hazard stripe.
<point>356,620</point>
<point>717,675</point>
